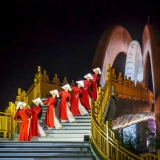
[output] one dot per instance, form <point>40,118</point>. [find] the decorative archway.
<point>151,49</point>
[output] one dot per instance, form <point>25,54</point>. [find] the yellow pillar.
<point>159,154</point>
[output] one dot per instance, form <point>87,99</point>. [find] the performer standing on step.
<point>76,106</point>
<point>64,111</point>
<point>36,128</point>
<point>96,76</point>
<point>22,117</point>
<point>85,99</point>
<point>51,120</point>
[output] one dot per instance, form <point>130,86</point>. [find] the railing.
<point>102,136</point>
<point>47,85</point>
<point>40,88</point>
<point>127,88</point>
<point>7,124</point>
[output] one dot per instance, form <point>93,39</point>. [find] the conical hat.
<point>81,83</point>
<point>97,69</point>
<point>19,104</point>
<point>67,86</point>
<point>88,76</point>
<point>54,91</point>
<point>37,100</point>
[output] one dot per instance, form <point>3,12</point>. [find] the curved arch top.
<point>113,41</point>
<point>150,48</point>
<point>134,67</point>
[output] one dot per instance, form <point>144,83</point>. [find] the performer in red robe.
<point>51,120</point>
<point>25,130</point>
<point>76,106</point>
<point>35,127</point>
<point>94,93</point>
<point>85,99</point>
<point>64,111</point>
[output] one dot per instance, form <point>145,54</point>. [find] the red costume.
<point>74,100</point>
<point>49,118</point>
<point>62,106</point>
<point>93,94</point>
<point>34,121</point>
<point>85,95</point>
<point>25,131</point>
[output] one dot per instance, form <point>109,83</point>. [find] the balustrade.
<point>102,136</point>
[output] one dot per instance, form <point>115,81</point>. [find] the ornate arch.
<point>151,49</point>
<point>113,41</point>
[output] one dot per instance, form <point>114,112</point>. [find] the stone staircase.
<point>70,143</point>
<point>45,151</point>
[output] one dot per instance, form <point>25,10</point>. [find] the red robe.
<point>85,95</point>
<point>74,100</point>
<point>93,93</point>
<point>25,131</point>
<point>62,106</point>
<point>49,118</point>
<point>34,121</point>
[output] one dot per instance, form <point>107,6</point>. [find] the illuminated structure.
<point>116,40</point>
<point>134,67</point>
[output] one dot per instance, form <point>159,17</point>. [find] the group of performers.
<point>77,104</point>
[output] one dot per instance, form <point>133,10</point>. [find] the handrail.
<point>7,124</point>
<point>102,136</point>
<point>39,88</point>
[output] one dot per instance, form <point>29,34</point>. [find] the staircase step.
<point>75,149</point>
<point>40,144</point>
<point>52,155</point>
<point>77,117</point>
<point>67,131</point>
<point>4,139</point>
<point>62,139</point>
<point>64,131</point>
<point>69,136</point>
<point>77,121</point>
<point>70,124</point>
<point>74,128</point>
<point>44,151</point>
<point>59,136</point>
<point>57,158</point>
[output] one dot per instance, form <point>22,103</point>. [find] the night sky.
<point>60,36</point>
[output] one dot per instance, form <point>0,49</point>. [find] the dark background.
<point>60,36</point>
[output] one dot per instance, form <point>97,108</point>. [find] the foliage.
<point>132,143</point>
<point>139,144</point>
<point>153,140</point>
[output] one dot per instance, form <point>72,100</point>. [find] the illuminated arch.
<point>150,48</point>
<point>113,41</point>
<point>134,66</point>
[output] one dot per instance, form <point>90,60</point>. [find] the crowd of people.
<point>79,103</point>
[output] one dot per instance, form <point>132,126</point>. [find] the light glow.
<point>134,65</point>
